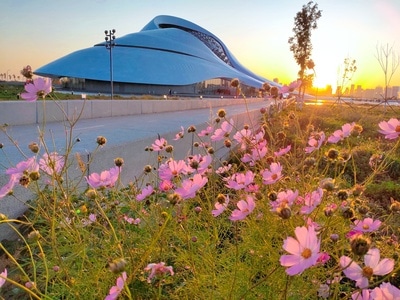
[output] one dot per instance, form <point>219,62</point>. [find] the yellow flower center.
<point>274,176</point>
<point>41,94</point>
<point>365,226</point>
<point>367,272</point>
<point>306,253</point>
<point>397,128</point>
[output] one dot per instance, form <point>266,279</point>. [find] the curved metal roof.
<point>167,51</point>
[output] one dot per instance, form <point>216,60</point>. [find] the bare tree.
<point>300,44</point>
<point>345,75</point>
<point>389,61</point>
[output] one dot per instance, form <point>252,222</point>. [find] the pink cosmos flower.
<point>91,219</point>
<point>3,276</point>
<point>132,220</point>
<point>172,169</point>
<point>373,266</point>
<point>366,225</point>
<point>220,207</point>
<point>206,132</point>
<point>180,134</point>
<point>311,201</point>
<point>166,185</point>
<point>39,88</point>
<point>283,151</point>
<point>147,191</point>
<point>7,189</point>
<point>339,135</point>
<point>304,250</point>
<point>158,269</point>
<point>244,209</point>
<point>256,153</point>
<point>191,186</point>
<point>52,163</point>
<point>323,258</point>
<point>391,128</point>
<point>243,137</point>
<point>159,144</point>
<point>223,169</point>
<point>199,163</point>
<point>118,288</point>
<point>273,174</point>
<point>23,167</point>
<point>362,295</point>
<point>223,132</point>
<point>106,178</point>
<point>386,291</point>
<point>315,141</point>
<point>291,87</point>
<point>284,199</point>
<point>240,181</point>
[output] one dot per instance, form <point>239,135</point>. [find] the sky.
<point>36,32</point>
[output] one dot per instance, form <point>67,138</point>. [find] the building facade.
<point>169,55</point>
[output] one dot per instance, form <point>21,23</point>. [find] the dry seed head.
<point>119,161</point>
<point>169,148</point>
<point>235,82</point>
<point>34,147</point>
<point>101,140</point>
<point>221,113</point>
<point>34,176</point>
<point>221,198</point>
<point>360,245</point>
<point>117,265</point>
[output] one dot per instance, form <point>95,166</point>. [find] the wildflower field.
<point>306,206</point>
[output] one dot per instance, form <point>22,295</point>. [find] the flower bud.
<point>147,169</point>
<point>34,235</point>
<point>221,113</point>
<point>34,147</point>
<point>272,196</point>
<point>34,176</point>
<point>334,237</point>
<point>119,162</point>
<point>117,265</point>
<point>284,212</point>
<point>221,198</point>
<point>101,140</point>
<point>191,129</point>
<point>347,212</point>
<point>169,148</point>
<point>360,244</point>
<point>91,194</point>
<point>235,82</point>
<point>342,195</point>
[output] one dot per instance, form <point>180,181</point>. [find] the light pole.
<point>110,37</point>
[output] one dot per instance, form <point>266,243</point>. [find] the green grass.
<point>212,257</point>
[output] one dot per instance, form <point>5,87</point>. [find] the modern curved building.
<point>168,54</point>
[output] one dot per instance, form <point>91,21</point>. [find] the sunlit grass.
<point>74,245</point>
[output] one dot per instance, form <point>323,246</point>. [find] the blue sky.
<point>37,32</point>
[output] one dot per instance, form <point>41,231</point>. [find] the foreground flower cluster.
<point>279,218</point>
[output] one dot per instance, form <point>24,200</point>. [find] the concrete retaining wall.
<point>24,113</point>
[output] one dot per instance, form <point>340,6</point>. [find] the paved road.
<point>117,130</point>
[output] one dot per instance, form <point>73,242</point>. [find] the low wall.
<point>24,113</point>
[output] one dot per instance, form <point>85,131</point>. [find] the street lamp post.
<point>110,37</point>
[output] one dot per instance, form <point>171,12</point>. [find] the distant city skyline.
<point>256,33</point>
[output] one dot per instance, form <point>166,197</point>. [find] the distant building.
<point>168,54</point>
